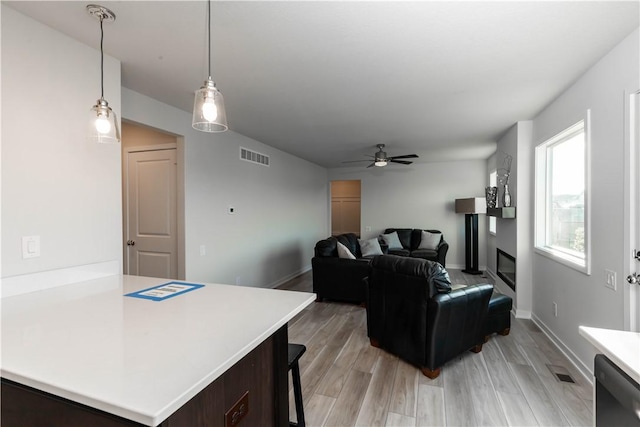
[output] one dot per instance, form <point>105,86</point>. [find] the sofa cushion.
<point>344,252</point>
<point>404,234</point>
<point>430,254</point>
<point>400,252</point>
<point>370,247</point>
<point>392,240</point>
<point>429,240</point>
<point>350,241</point>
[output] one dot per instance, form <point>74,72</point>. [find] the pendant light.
<point>209,114</point>
<point>103,123</point>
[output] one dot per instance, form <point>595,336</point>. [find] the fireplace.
<point>506,268</point>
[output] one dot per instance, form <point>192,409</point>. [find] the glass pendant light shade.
<point>209,114</point>
<point>103,123</point>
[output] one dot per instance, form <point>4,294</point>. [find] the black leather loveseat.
<point>413,313</point>
<point>410,239</point>
<point>338,278</point>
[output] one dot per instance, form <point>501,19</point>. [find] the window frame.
<point>542,186</point>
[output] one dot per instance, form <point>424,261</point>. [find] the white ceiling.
<point>327,81</point>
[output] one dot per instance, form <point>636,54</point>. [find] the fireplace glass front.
<point>507,268</point>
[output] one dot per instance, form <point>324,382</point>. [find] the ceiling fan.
<point>381,159</point>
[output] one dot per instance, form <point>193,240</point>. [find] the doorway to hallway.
<point>345,207</point>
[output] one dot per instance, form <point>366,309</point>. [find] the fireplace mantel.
<point>507,213</point>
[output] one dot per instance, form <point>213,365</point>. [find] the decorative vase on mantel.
<point>506,197</point>
<point>491,194</point>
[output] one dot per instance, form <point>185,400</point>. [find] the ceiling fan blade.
<point>406,156</point>
<point>404,162</point>
<point>371,164</point>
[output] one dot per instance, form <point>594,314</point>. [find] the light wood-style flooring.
<point>511,382</point>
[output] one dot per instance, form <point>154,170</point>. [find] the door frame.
<point>179,147</point>
<point>631,293</point>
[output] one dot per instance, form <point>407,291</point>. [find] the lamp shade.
<point>209,114</point>
<point>473,205</point>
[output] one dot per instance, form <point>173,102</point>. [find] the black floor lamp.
<point>471,208</point>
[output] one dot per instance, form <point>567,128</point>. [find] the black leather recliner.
<point>413,313</point>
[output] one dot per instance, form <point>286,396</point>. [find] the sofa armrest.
<point>442,249</point>
<point>455,322</point>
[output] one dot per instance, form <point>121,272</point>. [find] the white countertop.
<point>621,347</point>
<point>136,358</point>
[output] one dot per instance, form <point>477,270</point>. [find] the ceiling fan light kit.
<point>381,159</point>
<point>103,122</point>
<point>209,114</point>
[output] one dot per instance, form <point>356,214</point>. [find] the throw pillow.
<point>429,240</point>
<point>344,252</point>
<point>370,247</point>
<point>392,240</point>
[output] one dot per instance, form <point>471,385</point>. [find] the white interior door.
<point>152,244</point>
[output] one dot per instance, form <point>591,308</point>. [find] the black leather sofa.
<point>413,313</point>
<point>410,239</point>
<point>337,278</point>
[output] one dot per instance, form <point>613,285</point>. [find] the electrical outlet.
<point>555,309</point>
<point>203,250</point>
<point>367,228</point>
<point>610,279</point>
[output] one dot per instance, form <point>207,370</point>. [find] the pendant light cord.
<point>101,61</point>
<point>209,33</point>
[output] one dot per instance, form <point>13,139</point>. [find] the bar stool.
<point>295,351</point>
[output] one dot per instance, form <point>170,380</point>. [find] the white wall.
<point>583,299</point>
<point>281,210</point>
<point>55,184</point>
<point>421,195</point>
<point>513,235</point>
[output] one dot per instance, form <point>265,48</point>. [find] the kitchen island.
<point>88,353</point>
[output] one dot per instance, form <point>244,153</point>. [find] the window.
<point>493,179</point>
<point>561,206</point>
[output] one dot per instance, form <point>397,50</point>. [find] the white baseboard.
<point>288,277</point>
<point>39,281</point>
<point>586,372</point>
<point>462,267</point>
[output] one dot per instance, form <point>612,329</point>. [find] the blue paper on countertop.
<point>165,291</point>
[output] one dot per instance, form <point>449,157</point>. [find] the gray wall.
<point>583,299</point>
<point>281,211</point>
<point>421,195</point>
<point>55,183</point>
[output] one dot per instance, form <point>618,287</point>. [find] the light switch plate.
<point>610,279</point>
<point>30,247</point>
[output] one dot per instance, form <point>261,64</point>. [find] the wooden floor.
<point>348,382</point>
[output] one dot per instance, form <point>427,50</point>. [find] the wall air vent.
<point>254,157</point>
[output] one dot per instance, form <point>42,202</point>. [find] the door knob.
<point>633,278</point>
<point>131,242</point>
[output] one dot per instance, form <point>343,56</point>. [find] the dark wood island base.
<point>261,374</point>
